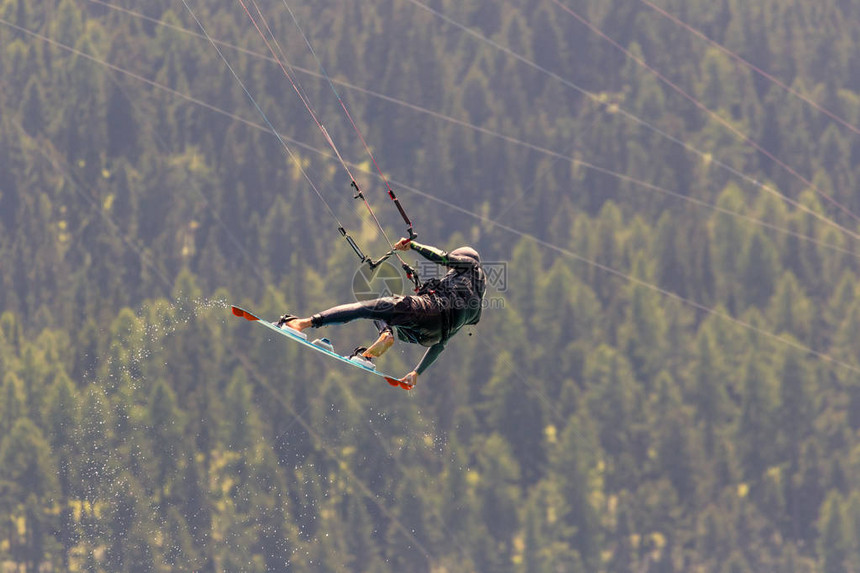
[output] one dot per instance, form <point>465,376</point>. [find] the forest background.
<point>670,383</point>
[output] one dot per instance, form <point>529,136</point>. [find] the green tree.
<point>713,537</point>
<point>615,403</point>
<point>575,466</point>
<point>642,336</point>
<point>123,129</point>
<point>241,425</point>
<point>834,543</point>
<point>270,511</point>
<point>197,511</point>
<point>165,429</point>
<point>670,255</point>
<point>708,388</point>
<point>623,557</point>
<point>94,467</point>
<point>797,405</point>
<point>516,413</point>
<point>808,491</point>
<point>728,239</point>
<point>676,448</point>
<point>61,414</point>
<point>526,268</point>
<point>33,108</point>
<point>759,267</point>
<point>27,467</point>
<point>736,563</point>
<point>129,547</point>
<point>547,536</point>
<point>790,310</point>
<point>12,402</point>
<point>755,425</point>
<point>604,248</point>
<point>498,495</point>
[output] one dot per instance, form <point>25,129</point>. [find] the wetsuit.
<point>433,315</point>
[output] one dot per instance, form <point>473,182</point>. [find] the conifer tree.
<point>33,108</point>
<point>27,469</point>
<point>165,427</point>
<point>574,465</point>
<point>758,270</point>
<point>517,414</point>
<point>755,425</point>
<point>61,415</point>
<point>498,494</point>
<point>834,543</point>
<point>797,406</point>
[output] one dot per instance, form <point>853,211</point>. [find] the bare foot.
<point>378,348</point>
<point>298,324</point>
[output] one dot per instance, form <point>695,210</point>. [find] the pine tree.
<point>129,547</point>
<point>755,426</point>
<point>547,536</point>
<point>241,424</point>
<point>122,125</point>
<point>676,450</point>
<point>797,406</point>
<point>643,334</point>
<point>623,556</point>
<point>27,467</point>
<point>197,510</point>
<point>713,538</point>
<point>61,415</point>
<point>728,239</point>
<point>498,494</point>
<point>94,467</point>
<point>270,509</point>
<point>165,429</point>
<point>790,310</point>
<point>670,273</point>
<point>736,564</point>
<point>708,388</point>
<point>574,466</point>
<point>615,400</point>
<point>523,284</point>
<point>12,402</point>
<point>807,492</point>
<point>33,108</point>
<point>834,543</point>
<point>516,412</point>
<point>758,270</point>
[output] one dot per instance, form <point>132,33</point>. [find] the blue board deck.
<point>302,339</point>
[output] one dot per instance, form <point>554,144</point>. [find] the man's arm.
<point>441,257</point>
<point>435,255</point>
<point>429,357</point>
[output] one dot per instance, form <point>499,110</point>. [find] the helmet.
<point>466,252</point>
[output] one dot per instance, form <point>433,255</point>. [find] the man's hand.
<point>410,380</point>
<point>402,244</point>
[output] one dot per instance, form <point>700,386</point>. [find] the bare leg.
<point>378,348</point>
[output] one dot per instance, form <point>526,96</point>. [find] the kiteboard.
<point>321,345</point>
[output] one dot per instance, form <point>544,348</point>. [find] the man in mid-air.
<point>429,318</point>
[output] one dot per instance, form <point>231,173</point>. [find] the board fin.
<point>241,313</point>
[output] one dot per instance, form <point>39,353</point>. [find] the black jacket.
<point>459,293</point>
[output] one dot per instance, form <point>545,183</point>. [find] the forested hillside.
<point>666,380</point>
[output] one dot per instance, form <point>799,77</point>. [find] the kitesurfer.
<point>429,318</point>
